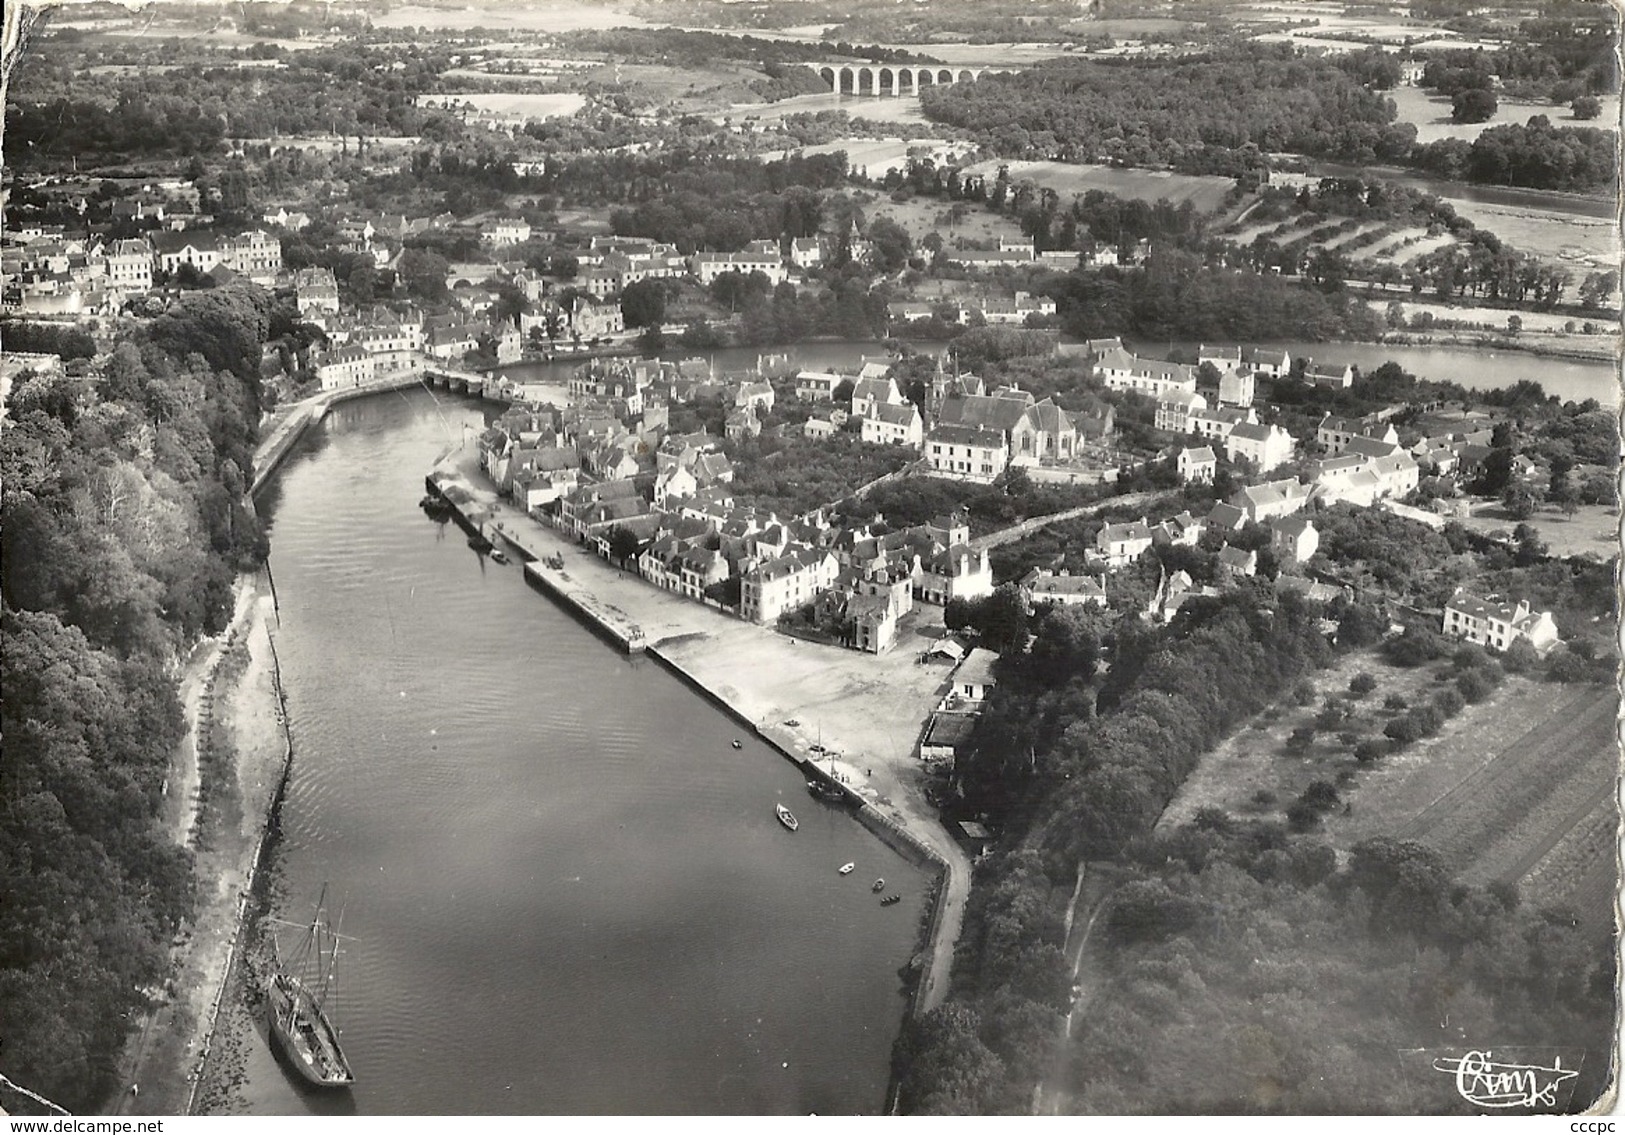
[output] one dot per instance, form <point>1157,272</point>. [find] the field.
<point>1592,531</point>
<point>1583,243</point>
<point>1430,114</point>
<point>1519,787</point>
<point>531,106</point>
<point>924,215</point>
<point>1133,184</point>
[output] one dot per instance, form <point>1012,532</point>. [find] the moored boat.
<point>737,745</point>
<point>498,556</point>
<point>880,885</point>
<point>891,900</point>
<point>848,868</point>
<point>296,996</point>
<point>786,817</point>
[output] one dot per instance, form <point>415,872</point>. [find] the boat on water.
<point>786,817</point>
<point>848,868</point>
<point>296,997</point>
<point>499,556</point>
<point>891,900</point>
<point>879,885</point>
<point>737,745</point>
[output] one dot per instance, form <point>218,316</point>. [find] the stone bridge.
<point>898,79</point>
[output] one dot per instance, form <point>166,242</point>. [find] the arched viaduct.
<point>896,79</point>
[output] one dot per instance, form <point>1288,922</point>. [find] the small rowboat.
<point>737,745</point>
<point>891,900</point>
<point>880,885</point>
<point>786,817</point>
<point>848,868</point>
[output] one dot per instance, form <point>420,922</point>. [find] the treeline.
<point>1084,769</point>
<point>1173,296</point>
<point>123,526</point>
<point>1193,113</point>
<point>1241,971</point>
<point>56,112</point>
<point>1536,155</point>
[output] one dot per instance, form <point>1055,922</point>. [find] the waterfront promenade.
<point>866,710</point>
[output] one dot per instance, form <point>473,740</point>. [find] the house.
<point>742,423</point>
<point>753,394</point>
<point>869,392</point>
<point>1335,433</point>
<point>257,255</point>
<point>129,266</point>
<point>1237,387</point>
<point>1265,446</point>
<point>893,425</point>
<point>1273,361</point>
<point>1123,371</point>
<point>1183,529</point>
<point>816,385</point>
<point>878,602</point>
<point>450,344</point>
<point>967,453</point>
<point>1043,586</point>
<point>1197,465</point>
<point>317,292</point>
<point>198,250</point>
<point>505,231</point>
<point>785,583</point>
<point>1225,359</point>
<point>1276,498</point>
<point>1294,539</point>
<point>1120,544</point>
<point>1233,561</point>
<point>1174,409</point>
<point>1497,624</point>
<point>1334,375</point>
<point>674,483</point>
<point>806,252</point>
<point>1226,517</point>
<point>344,367</point>
<point>955,572</point>
<point>974,679</point>
<point>947,736</point>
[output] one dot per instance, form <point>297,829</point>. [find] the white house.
<point>893,425</point>
<point>1265,446</point>
<point>1123,371</point>
<point>1498,624</point>
<point>967,453</point>
<point>1197,465</point>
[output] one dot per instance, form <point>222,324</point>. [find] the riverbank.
<point>1552,347</point>
<point>865,711</point>
<point>238,760</point>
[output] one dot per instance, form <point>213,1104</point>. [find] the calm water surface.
<point>568,893</point>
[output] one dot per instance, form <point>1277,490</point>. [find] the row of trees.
<point>123,526</point>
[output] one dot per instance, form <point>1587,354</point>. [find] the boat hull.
<point>305,1037</point>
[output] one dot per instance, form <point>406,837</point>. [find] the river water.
<point>1474,368</point>
<point>568,892</point>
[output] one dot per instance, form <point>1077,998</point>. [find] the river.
<point>567,891</point>
<point>1473,367</point>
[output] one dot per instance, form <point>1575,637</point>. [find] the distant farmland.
<point>1131,184</point>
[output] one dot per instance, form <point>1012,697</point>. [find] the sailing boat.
<point>296,995</point>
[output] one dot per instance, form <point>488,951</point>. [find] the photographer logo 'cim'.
<point>1512,1081</point>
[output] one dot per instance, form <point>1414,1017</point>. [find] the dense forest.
<point>1198,114</point>
<point>124,525</point>
<point>1358,961</point>
<point>1225,114</point>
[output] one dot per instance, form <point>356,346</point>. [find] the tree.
<point>1475,104</point>
<point>623,543</point>
<point>891,243</point>
<point>1520,500</point>
<point>423,272</point>
<point>643,303</point>
<point>1587,107</point>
